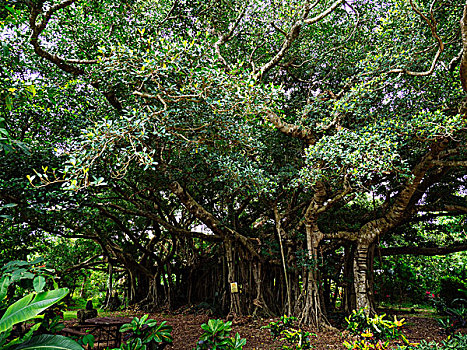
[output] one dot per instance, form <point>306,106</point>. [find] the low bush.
<point>456,342</point>
<point>285,329</point>
<point>375,328</point>
<point>146,334</point>
<point>452,288</point>
<point>457,318</point>
<point>217,336</point>
<point>372,332</point>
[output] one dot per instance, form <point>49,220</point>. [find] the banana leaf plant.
<point>26,309</point>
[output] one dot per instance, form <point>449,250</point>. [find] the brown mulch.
<point>187,330</point>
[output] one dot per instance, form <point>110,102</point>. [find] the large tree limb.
<point>226,37</point>
<point>432,24</point>
<point>450,163</point>
<point>324,14</point>
<point>292,34</point>
<point>169,227</point>
<point>82,265</point>
<point>67,65</point>
<point>209,220</point>
<point>397,212</point>
<point>299,132</point>
<point>463,64</point>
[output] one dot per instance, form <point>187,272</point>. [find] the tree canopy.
<point>278,139</point>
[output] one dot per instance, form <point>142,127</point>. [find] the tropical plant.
<point>87,341</point>
<point>216,335</point>
<point>284,322</point>
<point>27,275</point>
<point>284,328</point>
<point>363,344</point>
<point>297,339</point>
<point>374,329</point>
<point>456,319</point>
<point>456,342</point>
<point>25,309</point>
<point>146,334</point>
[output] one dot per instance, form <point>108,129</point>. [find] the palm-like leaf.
<point>30,306</point>
<point>49,342</point>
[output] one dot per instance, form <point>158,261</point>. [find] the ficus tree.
<point>261,121</point>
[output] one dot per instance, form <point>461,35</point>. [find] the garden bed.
<point>187,330</point>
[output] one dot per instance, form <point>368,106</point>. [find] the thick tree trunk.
<point>361,281</point>
<point>82,291</point>
<point>235,307</point>
<point>349,299</point>
<point>313,312</point>
<point>109,289</point>
<point>260,306</point>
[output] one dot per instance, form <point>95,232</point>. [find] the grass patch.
<point>68,315</point>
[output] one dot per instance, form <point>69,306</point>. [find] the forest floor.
<point>187,330</point>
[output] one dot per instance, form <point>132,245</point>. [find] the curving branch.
<point>323,14</point>
<point>300,132</point>
<point>450,163</point>
<point>226,37</point>
<point>209,220</point>
<point>38,28</point>
<point>398,211</point>
<point>432,24</point>
<point>292,34</point>
<point>83,265</point>
<point>169,14</point>
<point>67,65</point>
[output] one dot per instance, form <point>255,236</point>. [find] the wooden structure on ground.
<point>106,331</point>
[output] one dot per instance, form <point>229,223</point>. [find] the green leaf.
<point>21,274</point>
<point>9,102</point>
<point>49,342</point>
<point>26,337</point>
<point>39,283</point>
<point>4,284</point>
<point>15,263</point>
<point>9,205</point>
<point>31,89</point>
<point>10,9</point>
<point>37,261</point>
<point>30,306</point>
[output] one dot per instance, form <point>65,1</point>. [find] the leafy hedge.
<point>458,342</point>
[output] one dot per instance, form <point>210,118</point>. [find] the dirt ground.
<point>187,330</point>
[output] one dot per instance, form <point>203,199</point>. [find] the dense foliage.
<point>202,148</point>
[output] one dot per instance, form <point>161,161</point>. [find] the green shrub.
<point>451,288</point>
<point>457,342</point>
<point>457,319</point>
<point>276,328</point>
<point>146,334</point>
<point>217,336</point>
<point>284,328</point>
<point>374,329</point>
<point>28,307</point>
<point>374,332</point>
<point>363,344</point>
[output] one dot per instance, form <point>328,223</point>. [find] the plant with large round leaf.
<point>28,308</point>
